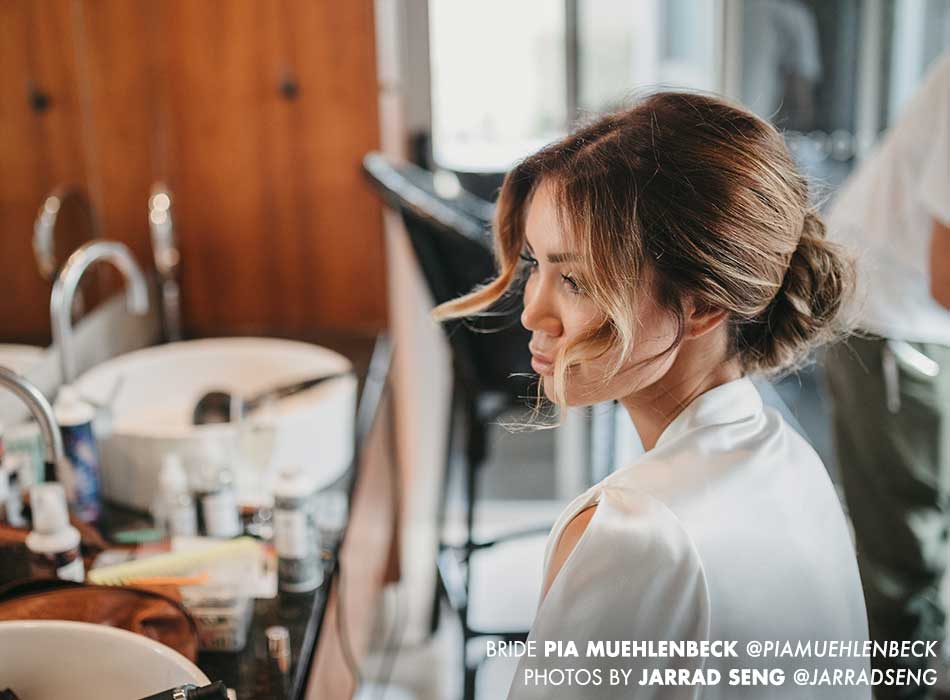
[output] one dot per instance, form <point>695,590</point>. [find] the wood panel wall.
<point>256,115</point>
<point>37,150</point>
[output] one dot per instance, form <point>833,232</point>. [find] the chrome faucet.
<point>67,281</point>
<point>42,412</point>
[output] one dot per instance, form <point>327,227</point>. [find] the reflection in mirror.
<point>65,221</point>
<point>167,258</point>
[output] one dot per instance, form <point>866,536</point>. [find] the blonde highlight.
<point>682,196</point>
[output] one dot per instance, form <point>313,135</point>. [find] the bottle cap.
<point>48,503</point>
<point>278,646</point>
<point>293,482</point>
<point>172,476</point>
<point>70,409</point>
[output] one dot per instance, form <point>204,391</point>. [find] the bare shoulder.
<point>570,536</point>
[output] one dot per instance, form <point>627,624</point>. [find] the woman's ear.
<point>701,318</point>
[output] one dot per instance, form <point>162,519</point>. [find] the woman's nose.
<point>539,316</point>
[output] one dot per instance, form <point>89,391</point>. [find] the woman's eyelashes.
<point>572,284</point>
<point>530,264</point>
<point>529,260</point>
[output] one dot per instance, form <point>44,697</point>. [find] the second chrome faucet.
<point>64,289</point>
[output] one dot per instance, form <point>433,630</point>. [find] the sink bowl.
<point>45,659</point>
<point>20,358</point>
<point>151,414</point>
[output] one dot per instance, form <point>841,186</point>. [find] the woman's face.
<point>557,311</point>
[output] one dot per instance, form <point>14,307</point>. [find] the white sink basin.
<point>20,358</point>
<point>160,385</point>
<point>45,659</point>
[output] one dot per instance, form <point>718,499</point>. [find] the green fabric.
<point>895,471</point>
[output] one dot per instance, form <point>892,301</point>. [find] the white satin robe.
<point>729,529</point>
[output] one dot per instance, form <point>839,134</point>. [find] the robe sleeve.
<point>934,184</point>
<point>633,575</point>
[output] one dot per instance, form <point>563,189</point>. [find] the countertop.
<point>250,672</point>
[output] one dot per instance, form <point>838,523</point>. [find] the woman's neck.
<point>652,409</point>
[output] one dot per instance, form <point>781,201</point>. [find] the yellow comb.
<point>173,563</point>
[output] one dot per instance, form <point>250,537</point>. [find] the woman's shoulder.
<point>627,554</point>
<point>618,528</point>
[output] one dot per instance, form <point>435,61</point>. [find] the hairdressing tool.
<point>174,563</point>
<point>215,691</point>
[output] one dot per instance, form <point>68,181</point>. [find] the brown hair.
<point>703,196</point>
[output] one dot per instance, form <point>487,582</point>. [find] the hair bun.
<point>805,310</point>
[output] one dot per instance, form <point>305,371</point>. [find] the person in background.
<point>891,385</point>
<point>781,61</point>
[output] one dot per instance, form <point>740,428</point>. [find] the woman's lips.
<point>541,364</point>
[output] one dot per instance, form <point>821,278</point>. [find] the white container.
<point>82,661</point>
<point>296,538</point>
<point>160,386</point>
<point>53,542</point>
<point>174,509</point>
<point>218,502</point>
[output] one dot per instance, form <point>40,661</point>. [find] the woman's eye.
<point>528,260</point>
<point>571,283</point>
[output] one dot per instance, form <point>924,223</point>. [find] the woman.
<point>670,252</point>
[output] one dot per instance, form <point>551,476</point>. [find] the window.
<point>498,81</point>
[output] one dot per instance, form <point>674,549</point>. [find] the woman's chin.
<point>575,397</point>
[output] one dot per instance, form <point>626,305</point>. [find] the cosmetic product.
<point>75,418</point>
<point>4,489</point>
<point>174,509</point>
<point>217,502</point>
<point>14,500</point>
<point>53,542</point>
<point>278,654</point>
<point>215,691</point>
<point>4,481</point>
<point>295,536</point>
<point>24,443</point>
<point>278,646</point>
<point>331,512</point>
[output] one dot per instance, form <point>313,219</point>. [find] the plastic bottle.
<point>217,501</point>
<point>4,493</point>
<point>75,418</point>
<point>53,542</point>
<point>4,480</point>
<point>174,509</point>
<point>295,536</point>
<point>13,505</point>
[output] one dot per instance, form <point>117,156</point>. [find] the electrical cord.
<point>345,644</point>
<point>393,645</point>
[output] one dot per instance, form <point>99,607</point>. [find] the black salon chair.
<point>451,240</point>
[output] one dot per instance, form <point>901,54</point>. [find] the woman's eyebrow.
<point>561,257</point>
